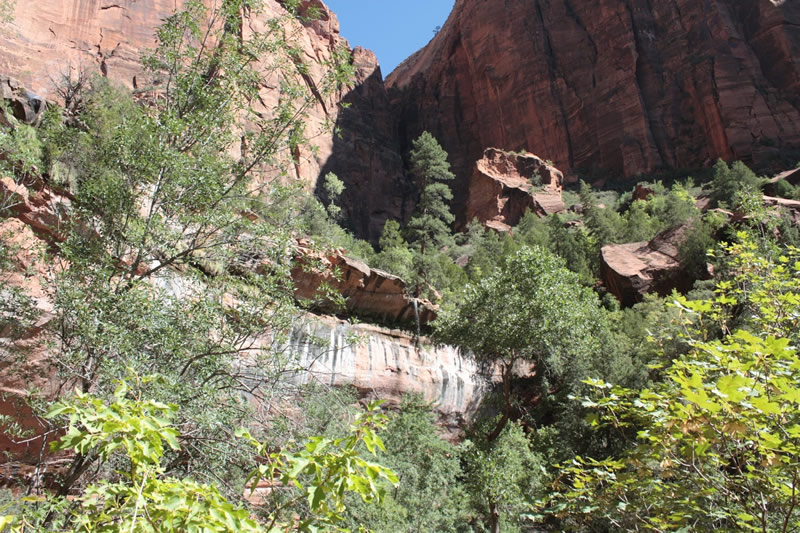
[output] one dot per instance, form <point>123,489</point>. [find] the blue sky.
<point>393,29</point>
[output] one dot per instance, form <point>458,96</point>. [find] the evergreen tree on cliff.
<point>429,228</point>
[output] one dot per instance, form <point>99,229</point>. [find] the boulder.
<point>642,192</point>
<point>24,105</point>
<point>504,185</point>
<point>630,271</point>
<point>792,177</point>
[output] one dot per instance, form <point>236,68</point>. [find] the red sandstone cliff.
<point>625,85</point>
<point>48,38</point>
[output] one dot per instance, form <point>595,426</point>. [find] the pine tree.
<point>429,228</point>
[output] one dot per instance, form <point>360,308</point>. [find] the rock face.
<point>54,38</point>
<point>624,85</point>
<point>40,208</point>
<point>632,270</point>
<point>368,293</point>
<point>366,156</point>
<point>20,335</point>
<point>384,363</point>
<point>506,184</point>
<point>24,105</point>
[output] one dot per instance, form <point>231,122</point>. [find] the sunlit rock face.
<point>369,293</point>
<point>634,269</point>
<point>379,362</point>
<point>627,86</point>
<point>504,185</point>
<point>385,364</point>
<point>50,39</point>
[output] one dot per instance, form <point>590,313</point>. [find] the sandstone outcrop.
<point>21,328</point>
<point>39,207</point>
<point>384,363</point>
<point>55,38</point>
<point>377,361</point>
<point>24,105</point>
<point>632,270</point>
<point>506,184</point>
<point>368,292</point>
<point>627,86</point>
<point>792,177</point>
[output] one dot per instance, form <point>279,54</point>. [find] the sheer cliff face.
<point>624,85</point>
<point>48,38</point>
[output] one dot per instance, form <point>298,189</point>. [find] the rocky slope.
<point>623,85</point>
<point>49,39</point>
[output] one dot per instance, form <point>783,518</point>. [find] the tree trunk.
<point>501,424</point>
<point>494,518</point>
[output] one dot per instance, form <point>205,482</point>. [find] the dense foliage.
<point>716,442</point>
<point>172,259</point>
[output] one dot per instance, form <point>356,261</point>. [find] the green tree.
<point>502,475</point>
<point>429,228</point>
<point>638,224</point>
<point>395,255</point>
<point>176,251</point>
<point>717,443</point>
<point>431,495</point>
<point>573,246</point>
<point>730,181</point>
<point>334,187</point>
<point>530,309</point>
<point>143,498</point>
<point>603,222</point>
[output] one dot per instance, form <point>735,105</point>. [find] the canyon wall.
<point>379,362</point>
<point>626,86</point>
<point>49,39</point>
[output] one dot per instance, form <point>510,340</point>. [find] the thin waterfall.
<point>416,315</point>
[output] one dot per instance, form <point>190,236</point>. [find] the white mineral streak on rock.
<point>385,364</point>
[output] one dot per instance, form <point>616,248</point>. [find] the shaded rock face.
<point>632,270</point>
<point>54,38</point>
<point>24,105</point>
<point>624,85</point>
<point>504,185</point>
<point>365,154</point>
<point>368,293</point>
<point>383,363</point>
